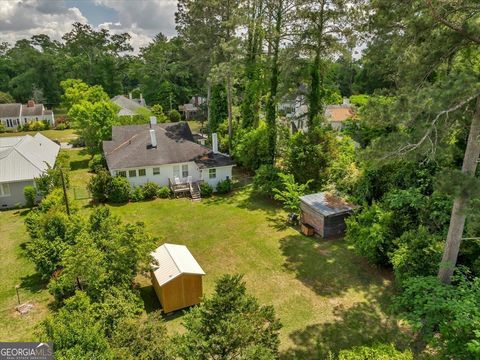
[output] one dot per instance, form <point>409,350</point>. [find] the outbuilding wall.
<point>326,226</point>
<point>16,196</point>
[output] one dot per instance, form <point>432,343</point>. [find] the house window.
<point>156,171</point>
<point>142,172</point>
<point>4,190</point>
<point>132,173</point>
<point>212,173</point>
<point>185,170</point>
<point>122,173</point>
<point>176,171</point>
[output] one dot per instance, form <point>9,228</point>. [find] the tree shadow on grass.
<point>149,298</point>
<point>79,164</point>
<point>33,283</point>
<point>329,268</point>
<point>360,325</point>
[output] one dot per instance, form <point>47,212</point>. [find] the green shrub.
<point>290,193</point>
<point>99,186</point>
<point>61,126</point>
<point>174,116</point>
<point>224,186</point>
<point>375,352</point>
<point>30,194</point>
<point>119,190</point>
<point>164,192</point>
<point>251,149</point>
<point>2,128</point>
<point>97,162</point>
<point>418,254</point>
<point>205,189</point>
<point>136,194</point>
<point>369,232</point>
<point>266,179</point>
<point>150,191</point>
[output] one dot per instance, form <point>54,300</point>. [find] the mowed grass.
<point>15,269</point>
<point>325,295</point>
<point>59,135</point>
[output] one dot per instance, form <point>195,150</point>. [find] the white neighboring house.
<point>165,154</point>
<point>129,106</point>
<point>193,109</point>
<point>14,115</point>
<point>22,159</point>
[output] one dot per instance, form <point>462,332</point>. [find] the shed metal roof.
<point>173,261</point>
<point>327,204</point>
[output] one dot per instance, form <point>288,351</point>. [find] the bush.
<point>150,191</point>
<point>267,178</point>
<point>164,192</point>
<point>136,194</point>
<point>224,186</point>
<point>96,163</point>
<point>290,193</point>
<point>119,190</point>
<point>30,194</point>
<point>99,186</point>
<point>251,148</point>
<point>61,127</point>
<point>205,189</point>
<point>376,352</point>
<point>174,116</point>
<point>418,254</point>
<point>369,231</point>
<point>2,128</point>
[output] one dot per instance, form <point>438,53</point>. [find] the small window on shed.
<point>156,171</point>
<point>212,173</point>
<point>5,190</point>
<point>132,173</point>
<point>122,173</point>
<point>142,172</point>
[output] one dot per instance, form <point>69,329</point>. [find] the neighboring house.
<point>15,115</point>
<point>165,154</point>
<point>176,277</point>
<point>334,114</point>
<point>22,159</point>
<point>129,106</point>
<point>193,110</point>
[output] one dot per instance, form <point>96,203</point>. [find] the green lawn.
<point>325,295</point>
<point>59,135</point>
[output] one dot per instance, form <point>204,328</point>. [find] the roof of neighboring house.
<point>172,261</point>
<point>127,106</point>
<point>130,147</point>
<point>327,204</point>
<point>26,157</point>
<point>339,112</point>
<point>35,110</point>
<point>10,110</point>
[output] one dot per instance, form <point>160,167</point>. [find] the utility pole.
<point>64,192</point>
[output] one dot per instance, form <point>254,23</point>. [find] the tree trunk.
<point>229,109</point>
<point>457,219</point>
<point>209,93</point>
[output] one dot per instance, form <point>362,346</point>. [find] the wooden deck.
<point>186,188</point>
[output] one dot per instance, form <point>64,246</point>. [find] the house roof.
<point>127,106</point>
<point>172,261</point>
<point>35,110</point>
<point>339,112</point>
<point>327,204</point>
<point>10,110</point>
<point>26,157</point>
<point>130,147</point>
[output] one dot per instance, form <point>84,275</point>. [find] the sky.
<point>142,19</point>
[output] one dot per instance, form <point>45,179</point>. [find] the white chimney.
<point>215,143</point>
<point>153,138</point>
<point>153,120</point>
<point>346,101</point>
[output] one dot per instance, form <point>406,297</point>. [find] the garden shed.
<point>176,277</point>
<point>325,213</point>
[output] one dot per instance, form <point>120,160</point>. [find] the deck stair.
<point>195,192</point>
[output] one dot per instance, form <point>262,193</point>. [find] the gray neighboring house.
<point>14,115</point>
<point>22,159</point>
<point>165,154</point>
<point>128,106</point>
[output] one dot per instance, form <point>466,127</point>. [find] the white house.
<point>165,154</point>
<point>22,159</point>
<point>14,115</point>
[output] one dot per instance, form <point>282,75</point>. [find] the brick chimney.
<point>30,103</point>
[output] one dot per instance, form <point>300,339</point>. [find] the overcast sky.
<point>142,19</point>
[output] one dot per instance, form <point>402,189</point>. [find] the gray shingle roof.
<point>35,110</point>
<point>131,147</point>
<point>327,204</point>
<point>10,110</point>
<point>127,106</point>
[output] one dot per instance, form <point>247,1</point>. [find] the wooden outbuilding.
<point>325,213</point>
<point>176,277</point>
